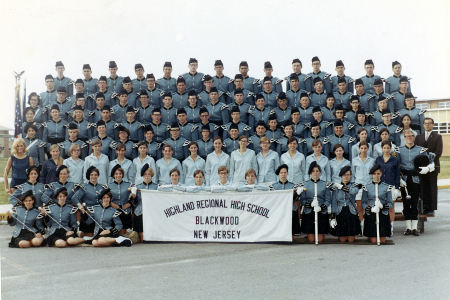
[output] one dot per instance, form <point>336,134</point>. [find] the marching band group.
<point>346,147</point>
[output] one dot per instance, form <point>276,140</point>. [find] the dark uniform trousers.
<point>410,209</point>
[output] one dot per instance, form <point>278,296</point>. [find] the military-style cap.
<point>138,66</point>
<point>273,117</point>
<point>354,97</point>
<point>174,126</point>
<point>313,165</point>
<point>123,128</point>
<point>282,96</point>
<point>295,110</point>
<point>381,98</point>
<point>148,128</point>
<point>130,109</point>
<point>296,60</point>
<point>360,112</point>
<point>61,89</point>
<point>339,63</point>
<point>114,169</point>
<point>103,193</point>
<point>181,111</point>
<point>375,168</point>
<point>234,126</point>
<point>143,93</point>
<point>192,93</point>
<point>103,78</point>
<point>213,90</point>
<point>330,95</point>
<point>261,123</point>
<point>79,95</point>
<point>167,94</point>
<point>181,79</point>
<point>89,171</point>
<point>59,191</point>
<point>409,95</point>
<point>293,76</point>
<point>243,64</point>
<point>48,77</point>
<point>267,65</point>
<point>315,58</point>
<point>316,109</point>
<point>86,67</point>
<point>304,95</point>
<point>338,123</point>
<point>167,64</point>
<point>259,96</point>
<point>341,80</point>
<point>238,76</point>
<point>394,63</point>
<point>126,79</point>
<point>218,62</point>
<point>144,168</point>
<point>368,62</point>
<point>59,64</point>
<point>112,64</point>
<point>317,79</point>
<point>314,123</point>
<point>78,107</point>
<point>345,170</point>
<point>123,91</point>
<point>101,123</point>
<point>79,81</point>
<point>99,95</point>
<point>157,109</point>
<point>149,76</point>
<point>192,60</point>
<point>403,79</point>
<point>359,82</point>
<point>106,107</point>
<point>283,166</point>
<point>72,126</point>
<point>385,112</point>
<point>203,110</point>
<point>235,109</point>
<point>207,77</point>
<point>59,169</point>
<point>378,81</point>
<point>205,128</point>
<point>339,107</point>
<point>239,91</point>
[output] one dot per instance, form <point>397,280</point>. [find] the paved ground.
<point>413,268</point>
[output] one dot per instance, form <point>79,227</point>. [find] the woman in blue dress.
<point>18,162</point>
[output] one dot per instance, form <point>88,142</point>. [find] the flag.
<point>24,99</point>
<point>18,114</point>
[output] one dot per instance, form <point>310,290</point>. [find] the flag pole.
<point>17,109</point>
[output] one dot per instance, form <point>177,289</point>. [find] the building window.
<point>444,104</point>
<point>442,128</point>
<point>423,106</point>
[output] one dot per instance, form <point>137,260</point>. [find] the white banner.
<point>217,217</point>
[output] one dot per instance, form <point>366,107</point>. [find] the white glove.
<point>396,194</point>
<point>424,170</point>
<point>315,202</point>
<point>375,209</point>
<point>317,209</point>
<point>333,223</point>
<point>431,167</point>
<point>402,183</point>
<point>378,204</point>
<point>134,190</point>
<point>338,186</point>
<point>300,190</point>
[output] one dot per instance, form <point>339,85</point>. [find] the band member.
<point>295,160</point>
<point>28,223</point>
<point>376,198</point>
<point>337,163</point>
<point>344,212</point>
<point>75,164</point>
<point>165,164</point>
<point>214,160</point>
<point>63,224</point>
<point>146,173</point>
<point>108,224</point>
<point>320,159</point>
<point>316,198</point>
<point>410,180</point>
<point>241,160</point>
<point>433,142</point>
<point>268,162</point>
<point>32,184</point>
<point>120,196</point>
<point>62,173</point>
<point>192,163</point>
<point>126,165</point>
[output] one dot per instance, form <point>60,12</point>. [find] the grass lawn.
<point>445,167</point>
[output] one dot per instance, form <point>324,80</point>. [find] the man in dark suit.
<point>433,142</point>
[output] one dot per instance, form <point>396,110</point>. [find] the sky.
<point>35,34</point>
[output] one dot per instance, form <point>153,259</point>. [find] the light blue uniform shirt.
<point>296,166</point>
<point>213,162</point>
<point>240,163</point>
<point>267,166</point>
<point>189,167</point>
<point>323,162</point>
<point>163,169</point>
<point>76,169</point>
<point>360,169</point>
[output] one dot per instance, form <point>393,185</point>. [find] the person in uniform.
<point>344,212</point>
<point>191,164</point>
<point>325,126</point>
<point>268,69</point>
<point>394,130</point>
<point>86,196</point>
<point>180,97</point>
<point>61,81</point>
<point>205,143</point>
<point>340,138</point>
<point>243,128</point>
<point>337,163</point>
<point>108,224</point>
<point>218,111</point>
<point>288,131</point>
<point>241,160</point>
<point>367,100</point>
<point>147,174</point>
<point>32,184</point>
<point>318,96</point>
<point>298,125</point>
<point>342,95</point>
<point>363,136</point>
<point>273,131</point>
<point>31,120</point>
<point>295,161</point>
<point>118,111</point>
<point>293,94</point>
<point>208,84</point>
<point>392,83</point>
<point>62,173</point>
<point>153,147</point>
<point>165,164</point>
<point>98,160</point>
<point>270,96</point>
<point>94,115</point>
<point>376,117</point>
<point>238,84</point>
<point>193,108</point>
<point>55,128</point>
<point>134,127</point>
<point>129,171</point>
<point>305,109</point>
<point>102,135</point>
<point>120,190</point>
<point>328,109</point>
<point>432,141</point>
<point>144,111</point>
<point>244,108</point>
<point>405,124</point>
<point>139,82</point>
<point>83,126</point>
<point>384,135</point>
<point>259,112</point>
<point>142,159</point>
<point>268,162</point>
<point>34,146</point>
<point>250,83</point>
<point>160,129</point>
<point>340,68</point>
<point>130,150</point>
<point>152,91</point>
<point>317,73</point>
<point>361,123</point>
<point>49,96</point>
<point>416,115</point>
<point>62,221</point>
<point>28,223</point>
<point>316,197</point>
<point>73,138</point>
<point>303,79</point>
<point>380,94</point>
<point>282,111</point>
<point>178,144</point>
<point>410,180</point>
<point>90,83</point>
<point>232,142</point>
<point>168,111</point>
<point>214,160</point>
<point>318,158</point>
<point>167,83</point>
<point>370,77</point>
<point>221,82</point>
<point>399,96</point>
<point>74,164</point>
<point>114,80</point>
<point>376,198</point>
<point>193,78</point>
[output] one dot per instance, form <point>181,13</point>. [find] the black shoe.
<point>126,243</point>
<point>429,213</point>
<point>415,232</point>
<point>407,232</point>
